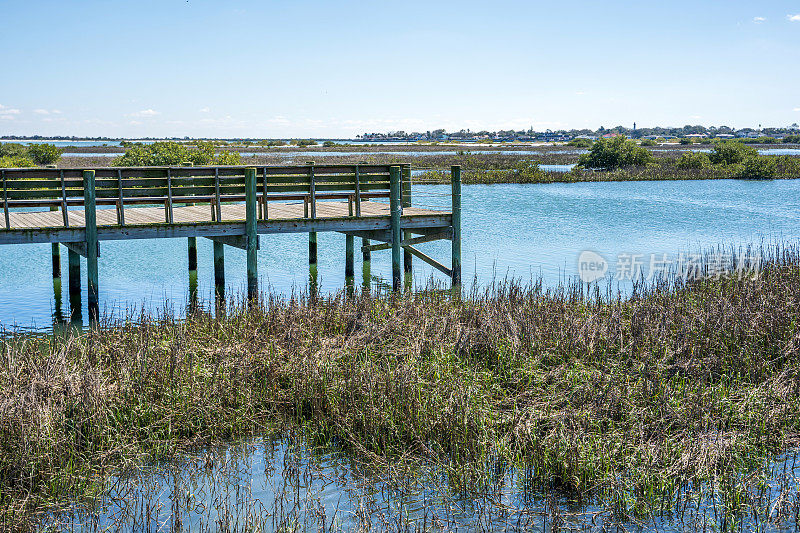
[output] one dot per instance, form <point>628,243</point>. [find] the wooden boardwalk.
<point>231,206</point>
<point>194,214</point>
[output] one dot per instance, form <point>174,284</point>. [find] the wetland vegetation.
<point>649,405</point>
<point>613,159</point>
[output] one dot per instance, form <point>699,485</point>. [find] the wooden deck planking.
<point>199,214</point>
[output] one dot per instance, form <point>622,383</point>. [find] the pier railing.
<point>60,189</point>
<point>238,199</point>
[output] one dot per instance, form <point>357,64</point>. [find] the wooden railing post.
<point>394,209</point>
<point>264,207</point>
<point>170,218</point>
<point>251,226</point>
<point>455,178</point>
<point>120,199</point>
<point>64,206</point>
<point>90,212</point>
<point>217,198</point>
<point>5,200</point>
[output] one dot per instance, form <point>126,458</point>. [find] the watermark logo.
<point>591,266</point>
<point>631,267</point>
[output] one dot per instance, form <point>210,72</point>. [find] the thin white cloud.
<point>145,113</point>
<point>759,20</point>
<point>205,110</point>
<point>793,18</point>
<point>796,109</point>
<point>41,111</point>
<point>8,112</point>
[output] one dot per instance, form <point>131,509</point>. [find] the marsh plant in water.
<point>669,404</point>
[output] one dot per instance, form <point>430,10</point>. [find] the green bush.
<point>684,140</point>
<point>608,154</point>
<point>731,152</point>
<point>171,153</point>
<point>693,161</point>
<point>13,150</point>
<point>44,154</point>
<point>202,155</point>
<point>12,161</point>
<point>792,139</point>
<point>758,167</point>
<point>328,144</point>
<point>647,142</point>
<point>229,158</point>
<point>580,143</point>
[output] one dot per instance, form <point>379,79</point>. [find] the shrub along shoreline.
<point>630,400</point>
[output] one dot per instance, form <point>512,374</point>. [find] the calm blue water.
<point>524,231</point>
<point>284,485</point>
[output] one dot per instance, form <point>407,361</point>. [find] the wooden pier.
<point>232,206</point>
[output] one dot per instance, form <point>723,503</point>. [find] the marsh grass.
<point>681,388</point>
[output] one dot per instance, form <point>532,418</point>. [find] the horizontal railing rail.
<point>212,185</point>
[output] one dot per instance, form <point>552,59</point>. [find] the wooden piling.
<point>252,232</point>
<point>366,255</point>
<point>91,244</point>
<point>74,281</point>
<point>56,261</point>
<point>219,269</point>
<point>349,259</point>
<point>55,254</point>
<point>455,179</point>
<point>192,249</point>
<point>406,202</point>
<point>312,235</point>
<point>394,209</point>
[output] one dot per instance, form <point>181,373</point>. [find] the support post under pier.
<point>219,270</point>
<point>192,249</point>
<point>252,233</point>
<point>312,235</point>
<point>366,265</point>
<point>56,257</point>
<point>394,209</point>
<point>455,178</point>
<point>349,259</point>
<point>91,244</point>
<point>74,281</point>
<point>406,202</point>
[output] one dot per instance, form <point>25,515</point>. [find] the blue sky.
<point>335,69</point>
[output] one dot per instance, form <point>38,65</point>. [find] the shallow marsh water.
<point>509,230</point>
<point>284,485</point>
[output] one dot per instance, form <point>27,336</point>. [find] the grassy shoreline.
<point>486,167</point>
<point>629,400</point>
